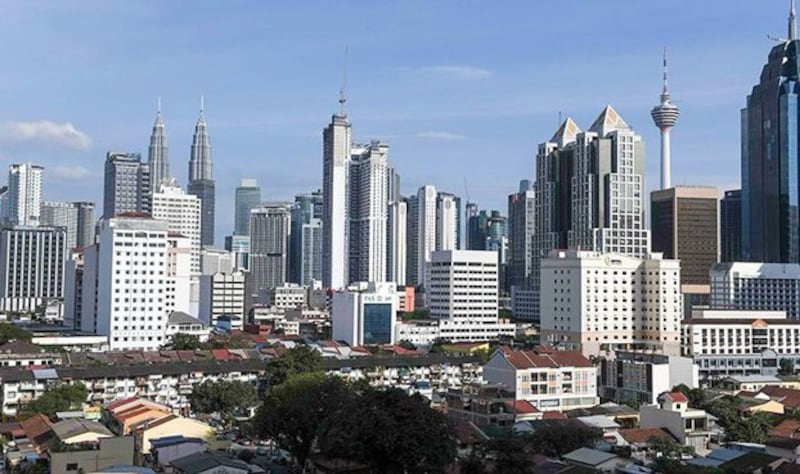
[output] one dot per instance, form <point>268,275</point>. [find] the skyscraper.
<point>248,197</point>
<point>32,267</point>
<point>182,211</point>
<point>589,191</point>
<point>520,235</point>
<point>335,163</point>
<point>397,245</point>
<point>157,153</point>
<point>127,185</point>
<point>665,115</point>
<point>305,241</point>
<point>201,181</point>
<point>730,223</point>
<point>426,228</point>
<point>269,246</point>
<point>771,156</point>
<point>367,208</point>
<point>412,246</point>
<point>24,194</point>
<point>446,222</point>
<point>683,222</point>
<point>63,215</point>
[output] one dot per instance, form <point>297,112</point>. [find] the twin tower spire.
<point>158,156</point>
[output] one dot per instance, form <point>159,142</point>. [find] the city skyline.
<point>460,103</point>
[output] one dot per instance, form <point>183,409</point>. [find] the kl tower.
<point>665,115</point>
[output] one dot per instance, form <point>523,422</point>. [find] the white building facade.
<point>365,314</point>
<point>397,242</point>
<point>446,222</point>
<point>462,294</point>
<point>367,212</point>
<point>179,274</point>
<point>182,212</point>
<point>33,267</point>
<point>335,166</point>
<point>596,303</point>
<point>24,194</point>
<point>221,294</point>
<point>640,377</point>
<point>269,245</point>
<point>426,228</point>
<point>756,286</point>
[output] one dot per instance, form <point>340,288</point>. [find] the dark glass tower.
<point>201,182</point>
<point>770,153</point>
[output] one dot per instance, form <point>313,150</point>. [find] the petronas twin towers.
<point>201,181</point>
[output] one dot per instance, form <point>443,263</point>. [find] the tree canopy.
<point>223,397</point>
<point>297,360</point>
<point>184,342</point>
<point>12,332</point>
<point>64,397</point>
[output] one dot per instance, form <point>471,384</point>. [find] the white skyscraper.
<point>397,242</point>
<point>336,160</point>
<point>182,211</point>
<point>426,228</point>
<point>446,222</point>
<point>24,194</point>
<point>124,287</point>
<point>157,153</point>
<point>367,212</point>
<point>179,274</point>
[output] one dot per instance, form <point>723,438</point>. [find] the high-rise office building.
<point>365,313</point>
<point>447,221</point>
<point>24,194</point>
<point>665,115</point>
<point>730,226</point>
<point>201,181</point>
<point>755,286</point>
<point>426,229</point>
<point>367,208</point>
<point>126,185</point>
<point>393,184</point>
<point>157,153</point>
<point>335,221</point>
<point>520,250</point>
<point>269,246</point>
<point>589,191</point>
<point>305,241</point>
<point>684,224</point>
<point>84,236</point>
<point>771,157</point>
<point>396,249</point>
<point>64,215</point>
<point>248,197</point>
<point>183,213</point>
<point>32,267</point>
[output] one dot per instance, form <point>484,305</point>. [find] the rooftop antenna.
<point>202,104</point>
<point>559,119</point>
<point>342,98</point>
<point>792,22</point>
<point>665,90</point>
<point>158,105</point>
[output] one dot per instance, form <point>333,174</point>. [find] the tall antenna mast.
<point>158,105</point>
<point>342,97</point>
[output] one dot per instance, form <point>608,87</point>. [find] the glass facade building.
<point>377,323</point>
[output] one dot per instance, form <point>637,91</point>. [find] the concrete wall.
<point>116,451</point>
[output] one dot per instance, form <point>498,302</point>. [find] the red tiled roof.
<point>132,412</point>
<point>153,422</point>
<point>787,428</point>
<point>787,396</point>
<point>522,407</point>
<point>553,415</point>
<point>641,435</point>
<point>468,433</point>
<point>120,402</point>
<point>38,428</point>
<point>746,394</point>
<point>676,397</point>
<point>220,354</point>
<point>532,359</point>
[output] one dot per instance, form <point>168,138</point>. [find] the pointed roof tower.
<point>792,22</point>
<point>157,156</point>
<point>200,157</point>
<point>566,133</point>
<point>608,121</point>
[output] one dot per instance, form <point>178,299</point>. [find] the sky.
<point>463,91</point>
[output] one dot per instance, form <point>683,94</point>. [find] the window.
<point>73,466</point>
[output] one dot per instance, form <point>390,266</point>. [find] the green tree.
<point>183,342</point>
<point>297,411</point>
<point>298,360</point>
<point>224,397</point>
<point>406,344</point>
<point>753,429</point>
<point>509,452</point>
<point>557,440</point>
<point>63,397</point>
<point>392,432</point>
<point>697,396</point>
<point>12,332</point>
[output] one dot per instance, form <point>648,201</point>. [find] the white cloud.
<point>46,132</point>
<point>459,72</point>
<point>441,135</point>
<point>70,172</point>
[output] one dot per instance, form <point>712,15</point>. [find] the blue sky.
<point>459,89</point>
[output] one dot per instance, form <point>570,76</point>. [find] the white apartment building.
<point>125,283</point>
<point>288,296</point>
<point>640,377</point>
<point>217,261</point>
<point>731,342</point>
<point>221,294</point>
<point>690,426</point>
<point>756,286</point>
<point>182,323</point>
<point>549,380</point>
<point>336,154</point>
<point>396,252</point>
<point>24,194</point>
<point>462,294</point>
<point>179,274</point>
<point>426,228</point>
<point>365,314</point>
<point>32,267</point>
<point>182,212</point>
<point>421,333</point>
<point>446,222</point>
<point>596,303</point>
<point>61,214</point>
<point>367,212</point>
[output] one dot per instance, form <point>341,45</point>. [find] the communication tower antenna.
<point>342,97</point>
